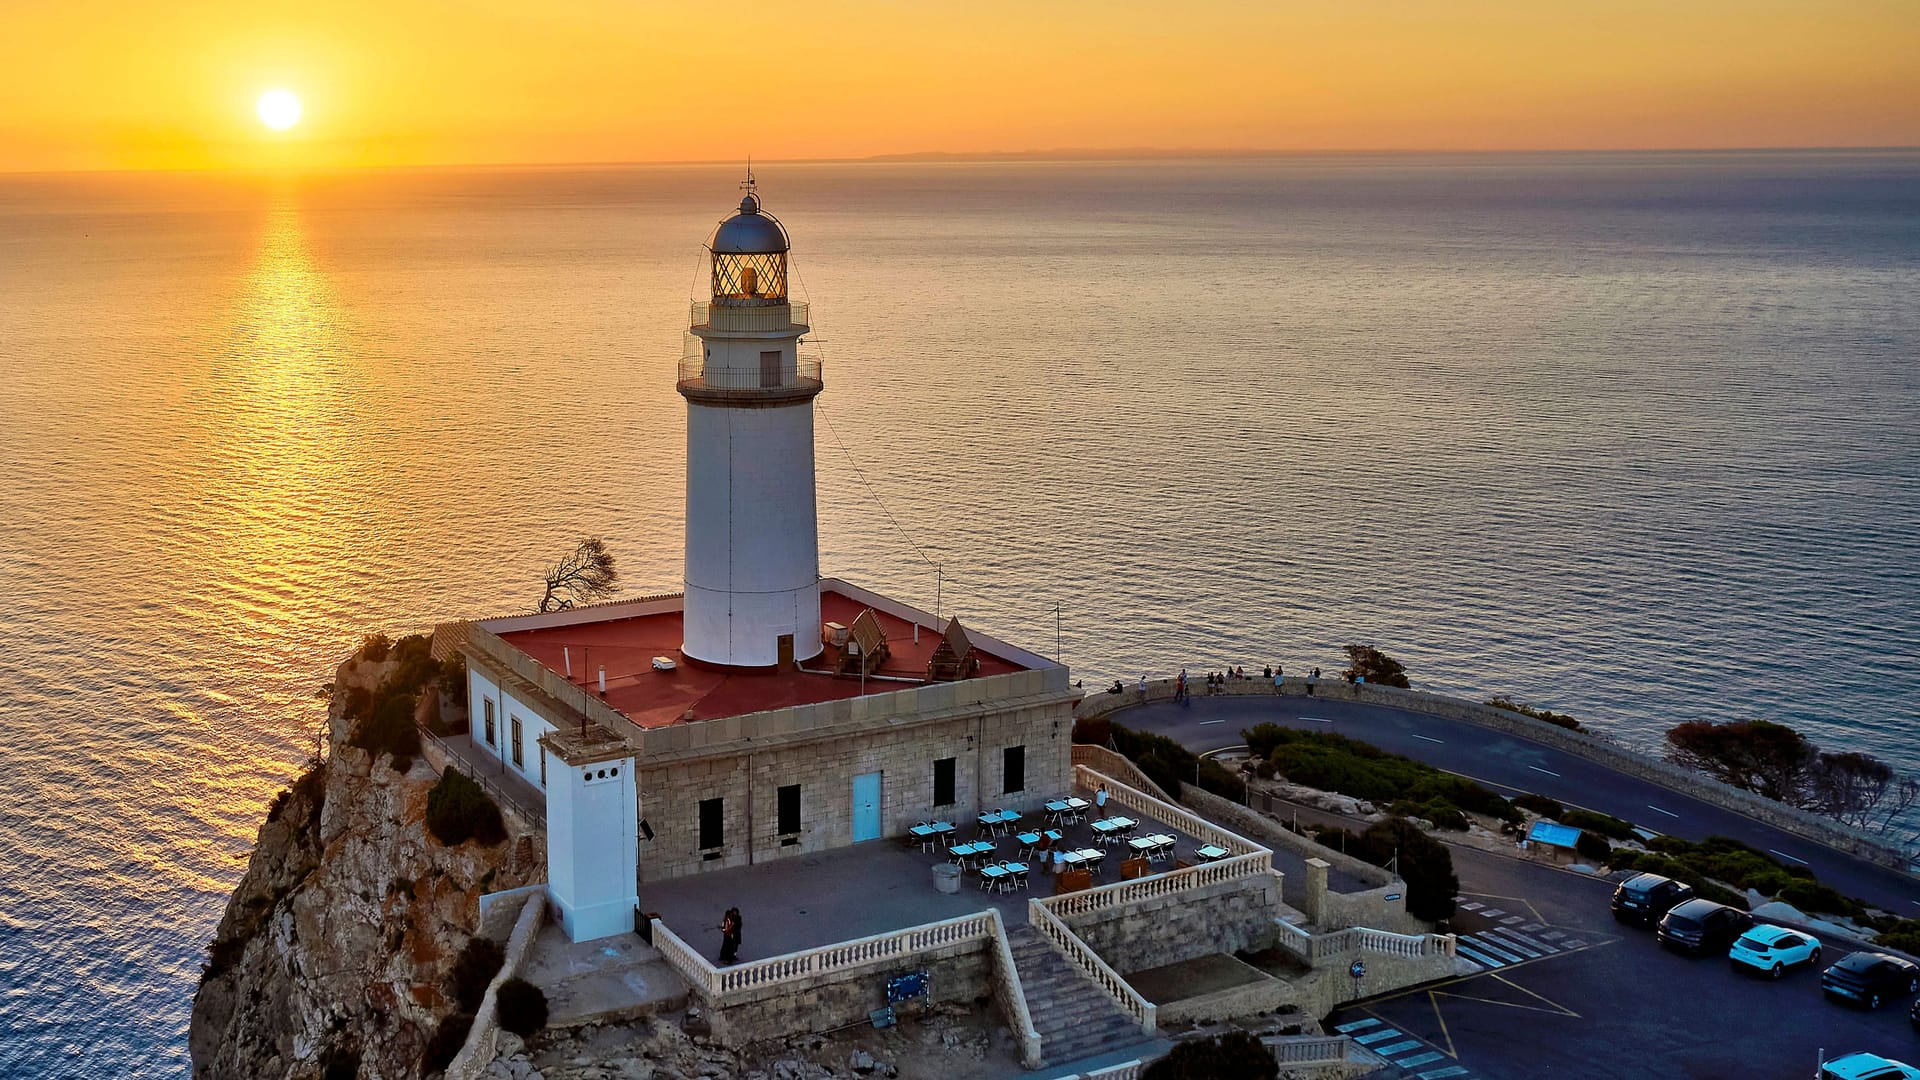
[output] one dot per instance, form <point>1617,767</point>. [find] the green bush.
<point>479,961</point>
<point>1221,780</point>
<point>447,1039</point>
<point>389,729</point>
<point>521,1007</point>
<point>1165,774</point>
<point>1422,862</point>
<point>375,647</point>
<point>1234,1055</point>
<point>453,679</point>
<point>1813,897</point>
<point>1593,847</point>
<point>1336,763</point>
<point>1554,718</point>
<point>458,810</point>
<point>1442,813</point>
<point>1540,804</point>
<point>1902,934</point>
<point>1610,827</point>
<point>1375,666</point>
<point>1261,739</point>
<point>1092,731</point>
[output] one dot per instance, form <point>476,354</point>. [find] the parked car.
<point>1864,1066</point>
<point>1870,978</point>
<point>1773,949</point>
<point>1913,1015</point>
<point>1645,897</point>
<point>1702,926</point>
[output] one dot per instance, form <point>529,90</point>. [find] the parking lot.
<point>1569,992</point>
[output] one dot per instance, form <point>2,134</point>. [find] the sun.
<point>279,109</point>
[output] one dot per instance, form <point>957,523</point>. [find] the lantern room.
<point>749,257</point>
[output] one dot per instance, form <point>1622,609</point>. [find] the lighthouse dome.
<point>749,232</point>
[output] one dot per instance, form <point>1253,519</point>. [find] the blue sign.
<point>1358,970</point>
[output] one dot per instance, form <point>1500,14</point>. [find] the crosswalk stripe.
<point>1521,945</point>
<point>1372,1037</point>
<point>1424,1059</point>
<point>1493,913</point>
<point>1397,1048</point>
<point>1486,946</point>
<point>1357,1025</point>
<point>1437,1074</point>
<point>1479,958</point>
<point>1554,935</point>
<point>1511,919</point>
<point>1534,927</point>
<point>1475,906</point>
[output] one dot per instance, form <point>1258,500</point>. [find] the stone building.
<point>764,712</point>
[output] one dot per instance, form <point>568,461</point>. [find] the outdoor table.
<point>1112,827</point>
<point>992,874</point>
<point>1209,853</point>
<point>962,852</point>
<point>1144,845</point>
<point>1162,846</point>
<point>1091,858</point>
<point>929,832</point>
<point>998,820</point>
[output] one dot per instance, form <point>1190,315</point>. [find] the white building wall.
<point>752,545</point>
<point>592,847</point>
<point>507,708</point>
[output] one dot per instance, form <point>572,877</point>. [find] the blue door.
<point>866,807</point>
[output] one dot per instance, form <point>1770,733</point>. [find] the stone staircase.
<point>1074,1017</point>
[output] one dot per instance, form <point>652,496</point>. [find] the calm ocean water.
<point>1633,437</point>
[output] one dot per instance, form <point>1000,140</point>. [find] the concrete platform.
<point>1193,978</point>
<point>608,980</point>
<point>878,887</point>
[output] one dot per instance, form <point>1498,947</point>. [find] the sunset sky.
<point>110,84</point>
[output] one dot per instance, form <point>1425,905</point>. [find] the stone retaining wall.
<point>484,1037</point>
<point>1225,917</point>
<point>960,972</point>
<point>1595,748</point>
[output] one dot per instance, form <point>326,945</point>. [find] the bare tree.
<point>586,574</point>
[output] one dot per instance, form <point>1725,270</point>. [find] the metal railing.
<point>1079,955</point>
<point>535,816</point>
<point>805,374</point>
<point>753,320</point>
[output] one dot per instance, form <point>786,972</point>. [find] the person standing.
<point>1143,687</point>
<point>1100,801</point>
<point>1278,678</point>
<point>1312,680</point>
<point>730,936</point>
<point>1180,687</point>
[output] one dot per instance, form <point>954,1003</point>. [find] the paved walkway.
<point>806,901</point>
<point>500,781</point>
<point>1517,764</point>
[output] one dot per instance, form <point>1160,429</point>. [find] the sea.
<point>1630,436</point>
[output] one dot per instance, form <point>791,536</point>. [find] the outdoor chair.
<point>1019,870</point>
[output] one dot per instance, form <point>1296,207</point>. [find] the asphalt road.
<point>1517,764</point>
<point>1602,1000</point>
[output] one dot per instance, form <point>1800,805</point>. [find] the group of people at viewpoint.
<point>1217,681</point>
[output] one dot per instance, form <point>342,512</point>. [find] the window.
<point>519,758</point>
<point>711,823</point>
<point>943,782</point>
<point>790,808</point>
<point>488,702</point>
<point>1013,769</point>
<point>543,766</point>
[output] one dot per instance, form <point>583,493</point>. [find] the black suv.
<point>1870,978</point>
<point>1643,899</point>
<point>1702,926</point>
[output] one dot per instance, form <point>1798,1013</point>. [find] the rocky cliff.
<point>333,955</point>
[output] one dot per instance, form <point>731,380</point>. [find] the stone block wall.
<point>958,973</point>
<point>748,781</point>
<point>1228,916</point>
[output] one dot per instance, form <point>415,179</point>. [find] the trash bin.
<point>946,878</point>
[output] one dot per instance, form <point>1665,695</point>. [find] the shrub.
<point>416,665</point>
<point>479,961</point>
<point>1810,896</point>
<point>447,1039</point>
<point>1336,763</point>
<point>1093,730</point>
<point>1422,862</point>
<point>1593,846</point>
<point>453,679</point>
<point>375,647</point>
<point>1554,718</point>
<point>1234,1055</point>
<point>1902,934</point>
<point>1375,666</point>
<point>1442,813</point>
<point>1606,825</point>
<point>389,729</point>
<point>1540,804</point>
<point>1262,739</point>
<point>1221,780</point>
<point>458,810</point>
<point>521,1007</point>
<point>1162,772</point>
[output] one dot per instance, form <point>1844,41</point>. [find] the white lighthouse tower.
<point>753,545</point>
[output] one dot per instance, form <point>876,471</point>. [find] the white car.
<point>1773,949</point>
<point>1865,1066</point>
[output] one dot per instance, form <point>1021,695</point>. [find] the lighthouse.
<point>752,543</point>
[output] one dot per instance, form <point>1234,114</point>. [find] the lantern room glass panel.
<point>752,278</point>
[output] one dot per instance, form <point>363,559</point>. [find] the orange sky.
<point>91,84</point>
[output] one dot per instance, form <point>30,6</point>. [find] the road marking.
<point>1424,1059</point>
<point>1549,772</point>
<point>1438,1074</point>
<point>1400,1047</point>
<point>1784,855</point>
<point>1669,813</point>
<point>1204,723</point>
<point>1372,1037</point>
<point>1429,738</point>
<point>1915,903</point>
<point>1315,720</point>
<point>1357,1025</point>
<point>1484,961</point>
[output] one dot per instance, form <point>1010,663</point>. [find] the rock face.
<point>332,956</point>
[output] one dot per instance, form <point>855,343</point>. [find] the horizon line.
<point>936,157</point>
